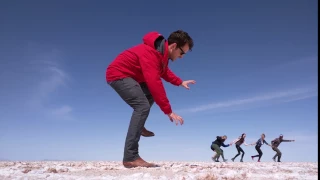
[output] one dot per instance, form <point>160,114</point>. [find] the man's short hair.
<point>181,38</point>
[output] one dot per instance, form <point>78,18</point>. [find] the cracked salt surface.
<point>104,170</point>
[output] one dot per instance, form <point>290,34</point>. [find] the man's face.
<point>176,52</point>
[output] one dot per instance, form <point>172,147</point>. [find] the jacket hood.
<point>150,38</point>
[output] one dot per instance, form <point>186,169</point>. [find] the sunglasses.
<point>182,51</point>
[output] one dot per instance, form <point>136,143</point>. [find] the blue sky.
<point>255,64</point>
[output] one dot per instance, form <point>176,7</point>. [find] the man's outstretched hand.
<point>176,118</point>
<point>186,83</point>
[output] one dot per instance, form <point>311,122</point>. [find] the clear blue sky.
<point>255,63</point>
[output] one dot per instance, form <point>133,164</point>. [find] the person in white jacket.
<point>239,141</point>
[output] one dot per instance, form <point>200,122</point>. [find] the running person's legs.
<point>241,160</point>
<point>278,154</point>
<point>259,153</point>
<point>216,159</point>
<point>217,150</point>
<point>239,149</point>
<point>222,155</point>
<point>213,151</point>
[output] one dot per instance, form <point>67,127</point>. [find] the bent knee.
<point>143,106</point>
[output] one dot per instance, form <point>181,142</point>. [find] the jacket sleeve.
<point>170,77</point>
<point>224,145</point>
<point>265,142</point>
<point>150,66</point>
<point>286,140</point>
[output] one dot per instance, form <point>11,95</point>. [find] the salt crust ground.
<point>101,170</point>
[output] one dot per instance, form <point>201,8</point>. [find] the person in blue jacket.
<point>215,146</point>
<point>258,144</point>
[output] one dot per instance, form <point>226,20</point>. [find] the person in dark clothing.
<point>239,142</point>
<point>258,144</point>
<point>215,146</point>
<point>275,144</point>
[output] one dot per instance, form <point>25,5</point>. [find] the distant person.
<point>215,146</point>
<point>136,74</point>
<point>275,144</point>
<point>239,142</point>
<point>258,144</point>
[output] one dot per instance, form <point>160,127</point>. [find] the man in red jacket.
<point>136,74</point>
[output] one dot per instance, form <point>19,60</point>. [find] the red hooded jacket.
<point>144,63</point>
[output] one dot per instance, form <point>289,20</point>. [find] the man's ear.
<point>174,45</point>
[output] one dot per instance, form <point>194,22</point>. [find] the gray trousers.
<point>139,98</point>
<point>278,153</point>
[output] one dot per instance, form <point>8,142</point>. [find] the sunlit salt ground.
<point>168,170</point>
